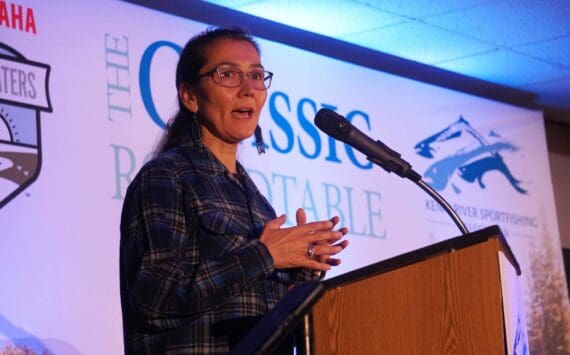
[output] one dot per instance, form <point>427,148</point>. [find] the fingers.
<point>328,249</point>
<point>316,265</point>
<point>315,226</point>
<point>342,244</point>
<point>326,257</point>
<point>276,223</point>
<point>301,217</point>
<point>335,220</point>
<point>319,225</point>
<point>324,237</point>
<point>343,231</point>
<point>333,261</point>
<point>289,246</point>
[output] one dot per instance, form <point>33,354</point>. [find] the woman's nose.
<point>246,87</point>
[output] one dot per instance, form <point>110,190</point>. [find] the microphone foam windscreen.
<point>333,124</point>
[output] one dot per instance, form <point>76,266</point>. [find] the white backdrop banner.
<point>86,89</point>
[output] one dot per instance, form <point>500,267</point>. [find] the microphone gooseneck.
<point>380,154</point>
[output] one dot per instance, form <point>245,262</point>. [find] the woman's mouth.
<point>243,112</point>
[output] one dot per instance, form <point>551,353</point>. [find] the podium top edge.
<point>444,247</point>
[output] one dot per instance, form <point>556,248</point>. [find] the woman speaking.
<point>202,251</point>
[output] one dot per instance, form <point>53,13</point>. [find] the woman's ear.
<point>188,97</point>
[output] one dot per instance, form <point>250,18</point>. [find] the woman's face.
<point>227,115</point>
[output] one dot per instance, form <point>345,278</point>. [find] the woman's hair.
<point>191,61</point>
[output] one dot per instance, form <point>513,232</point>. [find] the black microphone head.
<point>333,124</point>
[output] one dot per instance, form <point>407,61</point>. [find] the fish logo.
<point>24,94</point>
<point>476,156</point>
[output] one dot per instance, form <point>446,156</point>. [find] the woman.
<point>202,252</point>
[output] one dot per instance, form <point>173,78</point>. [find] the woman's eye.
<point>256,75</point>
<point>227,74</point>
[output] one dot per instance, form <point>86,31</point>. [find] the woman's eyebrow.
<point>234,64</point>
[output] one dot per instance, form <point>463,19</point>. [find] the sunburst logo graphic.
<point>23,96</point>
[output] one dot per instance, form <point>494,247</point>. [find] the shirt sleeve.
<point>165,279</point>
<point>309,275</point>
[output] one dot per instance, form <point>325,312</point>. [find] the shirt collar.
<point>202,158</point>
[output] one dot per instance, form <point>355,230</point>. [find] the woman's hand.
<point>318,253</point>
<point>289,247</point>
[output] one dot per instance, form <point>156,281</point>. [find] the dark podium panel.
<point>275,332</point>
<point>442,299</point>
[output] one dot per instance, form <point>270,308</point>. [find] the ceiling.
<point>520,44</point>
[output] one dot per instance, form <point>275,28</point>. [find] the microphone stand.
<point>394,163</point>
<point>443,203</point>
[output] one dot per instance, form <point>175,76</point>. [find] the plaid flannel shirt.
<point>193,271</point>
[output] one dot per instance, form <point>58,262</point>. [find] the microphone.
<point>377,152</point>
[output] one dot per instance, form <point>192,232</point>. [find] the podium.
<point>458,296</point>
<point>448,298</point>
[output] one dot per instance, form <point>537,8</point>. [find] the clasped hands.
<point>308,245</point>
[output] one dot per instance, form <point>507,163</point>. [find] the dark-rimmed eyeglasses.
<point>233,77</point>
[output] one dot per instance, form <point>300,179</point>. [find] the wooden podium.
<point>459,296</point>
<point>447,298</point>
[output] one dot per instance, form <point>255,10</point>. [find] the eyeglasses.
<point>233,77</point>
